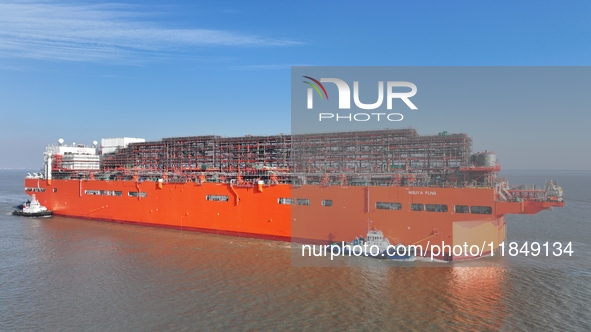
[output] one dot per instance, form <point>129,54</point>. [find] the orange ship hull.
<point>256,211</point>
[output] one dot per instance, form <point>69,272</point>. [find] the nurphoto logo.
<point>344,98</point>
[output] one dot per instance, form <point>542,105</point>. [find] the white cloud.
<point>49,30</point>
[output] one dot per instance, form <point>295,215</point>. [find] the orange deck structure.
<point>316,188</point>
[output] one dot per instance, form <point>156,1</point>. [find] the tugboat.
<point>376,245</point>
<point>32,208</point>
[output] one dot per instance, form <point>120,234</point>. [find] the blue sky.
<point>85,70</point>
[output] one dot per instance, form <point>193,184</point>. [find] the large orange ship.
<point>313,188</point>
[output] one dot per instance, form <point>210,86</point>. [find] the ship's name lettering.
<point>419,192</point>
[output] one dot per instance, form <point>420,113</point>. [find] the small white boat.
<point>33,208</point>
<point>374,245</point>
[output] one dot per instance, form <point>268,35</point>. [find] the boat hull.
<point>41,214</point>
<point>256,211</point>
